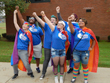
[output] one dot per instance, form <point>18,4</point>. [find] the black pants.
<point>47,55</point>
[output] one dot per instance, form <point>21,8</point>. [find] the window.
<point>37,1</point>
<point>88,10</point>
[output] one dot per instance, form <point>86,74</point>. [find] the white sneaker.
<point>61,79</point>
<point>56,79</point>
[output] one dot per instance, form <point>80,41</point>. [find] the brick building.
<point>95,11</point>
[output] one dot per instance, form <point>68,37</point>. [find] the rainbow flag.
<point>94,53</point>
<point>14,57</point>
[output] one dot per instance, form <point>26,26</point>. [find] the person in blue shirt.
<point>22,46</point>
<point>37,35</point>
<point>81,48</point>
<point>58,46</point>
<point>47,41</point>
<point>71,38</point>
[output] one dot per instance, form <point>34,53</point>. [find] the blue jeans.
<point>57,53</point>
<point>82,56</point>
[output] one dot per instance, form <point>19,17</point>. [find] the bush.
<point>10,37</point>
<point>98,38</point>
<point>109,38</point>
<point>4,35</point>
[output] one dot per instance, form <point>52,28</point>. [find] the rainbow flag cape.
<point>94,53</point>
<point>14,57</point>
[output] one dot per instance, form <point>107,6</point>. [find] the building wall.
<point>98,19</point>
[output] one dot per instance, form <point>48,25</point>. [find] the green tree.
<point>9,5</point>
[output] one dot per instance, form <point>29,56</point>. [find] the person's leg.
<point>76,59</point>
<point>85,58</point>
<point>15,68</point>
<point>23,54</point>
<point>47,54</point>
<point>68,57</point>
<point>62,59</point>
<point>55,62</point>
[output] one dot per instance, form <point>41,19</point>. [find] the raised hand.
<point>34,14</point>
<point>15,11</point>
<point>69,19</point>
<point>42,13</point>
<point>58,9</point>
<point>17,7</point>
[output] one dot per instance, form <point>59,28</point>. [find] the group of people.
<point>62,41</point>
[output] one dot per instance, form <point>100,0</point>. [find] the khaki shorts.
<point>37,51</point>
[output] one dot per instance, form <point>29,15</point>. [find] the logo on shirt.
<point>63,37</point>
<point>68,29</point>
<point>85,36</point>
<point>33,29</point>
<point>22,36</point>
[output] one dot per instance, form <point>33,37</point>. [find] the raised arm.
<point>70,24</point>
<point>19,15</point>
<point>52,27</point>
<point>15,21</point>
<point>39,19</point>
<point>58,13</point>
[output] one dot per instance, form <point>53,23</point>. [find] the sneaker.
<point>61,79</point>
<point>85,81</point>
<point>30,74</point>
<point>78,72</point>
<point>73,80</point>
<point>14,76</point>
<point>70,70</point>
<point>56,79</point>
<point>38,70</point>
<point>42,76</point>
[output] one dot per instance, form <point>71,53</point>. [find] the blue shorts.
<point>82,56</point>
<point>57,53</point>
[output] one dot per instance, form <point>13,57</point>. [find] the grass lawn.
<point>6,49</point>
<point>2,28</point>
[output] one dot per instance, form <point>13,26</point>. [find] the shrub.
<point>10,37</point>
<point>109,38</point>
<point>4,35</point>
<point>98,38</point>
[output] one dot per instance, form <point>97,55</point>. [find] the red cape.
<point>20,64</point>
<point>94,53</point>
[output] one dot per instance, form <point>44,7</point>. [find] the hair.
<point>84,20</point>
<point>75,16</point>
<point>53,16</point>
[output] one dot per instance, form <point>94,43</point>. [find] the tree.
<point>9,5</point>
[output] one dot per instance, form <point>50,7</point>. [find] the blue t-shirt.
<point>36,34</point>
<point>47,36</point>
<point>84,44</point>
<point>58,39</point>
<point>23,41</point>
<point>68,29</point>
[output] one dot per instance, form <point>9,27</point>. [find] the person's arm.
<point>19,15</point>
<point>29,51</point>
<point>93,44</point>
<point>70,24</point>
<point>52,27</point>
<point>58,13</point>
<point>39,19</point>
<point>42,39</point>
<point>15,21</point>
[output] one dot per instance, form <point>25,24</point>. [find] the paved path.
<point>6,73</point>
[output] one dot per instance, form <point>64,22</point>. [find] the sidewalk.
<point>6,73</point>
